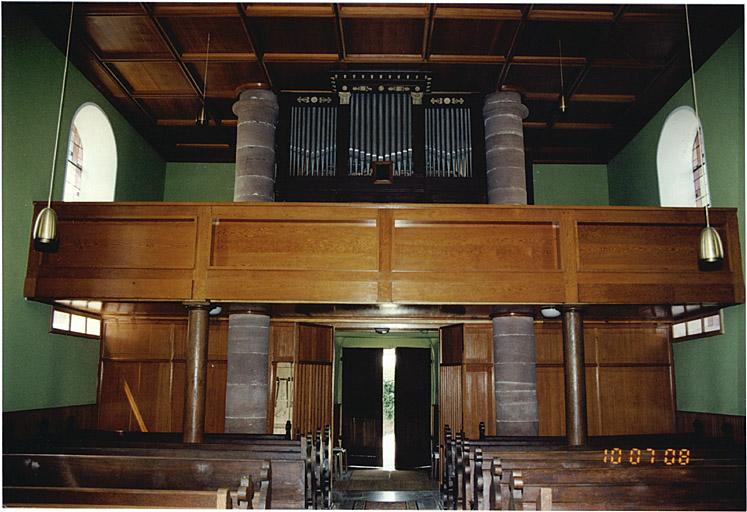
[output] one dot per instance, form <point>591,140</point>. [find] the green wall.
<point>41,369</point>
<point>367,339</point>
<point>199,182</point>
<point>710,372</point>
<point>570,184</point>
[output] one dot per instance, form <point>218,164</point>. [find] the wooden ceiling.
<point>620,62</point>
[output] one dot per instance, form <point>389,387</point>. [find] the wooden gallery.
<point>401,256</point>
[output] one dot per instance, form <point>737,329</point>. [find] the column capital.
<point>197,304</point>
<point>504,102</point>
<point>499,311</point>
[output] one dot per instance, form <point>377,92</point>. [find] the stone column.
<point>246,379</point>
<point>195,372</point>
<point>257,110</point>
<point>575,377</point>
<point>515,376</point>
<point>513,335</point>
<point>504,148</point>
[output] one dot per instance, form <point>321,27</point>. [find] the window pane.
<point>712,323</point>
<point>692,307</point>
<point>694,327</point>
<point>61,321</point>
<point>78,324</point>
<point>93,327</point>
<point>679,330</point>
<point>678,310</point>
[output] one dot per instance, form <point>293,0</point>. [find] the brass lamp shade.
<point>711,248</point>
<point>45,231</point>
<point>201,118</point>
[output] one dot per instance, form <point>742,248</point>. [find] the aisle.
<point>377,489</point>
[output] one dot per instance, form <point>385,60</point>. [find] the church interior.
<point>373,255</point>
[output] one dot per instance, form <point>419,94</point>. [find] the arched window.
<point>681,162</point>
<point>91,172</point>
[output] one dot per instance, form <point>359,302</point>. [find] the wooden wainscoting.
<point>629,378</point>
<point>148,353</point>
<point>19,426</point>
<point>726,427</point>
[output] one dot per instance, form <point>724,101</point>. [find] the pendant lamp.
<point>560,59</point>
<point>711,250</point>
<point>45,225</point>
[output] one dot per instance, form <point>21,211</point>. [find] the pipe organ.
<point>386,140</point>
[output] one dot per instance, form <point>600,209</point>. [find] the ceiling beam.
<point>175,53</point>
<point>258,50</point>
<point>554,97</point>
<point>259,10</point>
<point>398,11</point>
<point>512,47</point>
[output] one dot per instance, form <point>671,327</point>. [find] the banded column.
<point>514,359</point>
<point>515,376</point>
<point>247,374</point>
<point>504,148</point>
<point>257,110</point>
<point>195,372</point>
<point>575,377</point>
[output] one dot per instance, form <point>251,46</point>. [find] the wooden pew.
<point>80,497</point>
<point>139,472</point>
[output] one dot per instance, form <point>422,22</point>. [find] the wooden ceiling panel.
<point>597,112</point>
<point>578,38</point>
<point>153,77</point>
<point>616,80</point>
<point>487,37</point>
<point>632,41</point>
<point>223,108</point>
<point>225,77</point>
<point>108,8</point>
<point>173,108</point>
<point>463,77</point>
<point>124,35</point>
<point>190,34</point>
<point>301,76</point>
<point>379,36</point>
<point>541,78</point>
<point>296,35</point>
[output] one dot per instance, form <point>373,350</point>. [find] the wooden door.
<point>451,348</point>
<point>312,378</point>
<point>412,401</point>
<point>362,408</point>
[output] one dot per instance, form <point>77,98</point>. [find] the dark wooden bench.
<point>80,497</point>
<point>149,473</point>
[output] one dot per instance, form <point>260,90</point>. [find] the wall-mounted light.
<point>550,312</point>
<point>711,250</point>
<point>382,330</point>
<point>45,225</point>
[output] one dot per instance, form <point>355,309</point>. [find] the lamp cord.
<point>207,59</point>
<point>62,101</point>
<point>695,103</point>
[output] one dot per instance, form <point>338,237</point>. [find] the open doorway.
<point>385,391</point>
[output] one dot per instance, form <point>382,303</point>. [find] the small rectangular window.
<point>75,323</point>
<point>695,325</point>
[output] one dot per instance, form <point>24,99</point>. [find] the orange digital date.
<point>637,456</point>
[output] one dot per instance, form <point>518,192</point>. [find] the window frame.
<point>700,315</point>
<point>77,312</point>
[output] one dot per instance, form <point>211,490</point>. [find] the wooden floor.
<point>376,489</point>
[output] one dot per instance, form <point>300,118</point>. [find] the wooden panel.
<point>114,411</point>
<point>654,247</point>
<point>138,340</point>
<point>623,344</point>
<point>478,343</point>
<point>478,399</point>
<point>295,245</point>
<point>551,401</point>
<point>312,406</point>
<point>452,344</point>
<point>548,343</point>
<point>474,247</point>
<point>21,426</point>
<point>315,343</point>
<point>636,400</point>
<point>153,395</point>
<point>450,398</point>
<point>437,254</point>
<point>282,341</point>
<point>217,339</point>
<point>124,243</point>
<point>215,398</point>
<point>725,427</point>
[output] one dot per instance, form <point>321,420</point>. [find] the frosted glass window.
<point>679,330</point>
<point>694,327</point>
<point>712,323</point>
<point>78,324</point>
<point>60,321</point>
<point>93,327</point>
